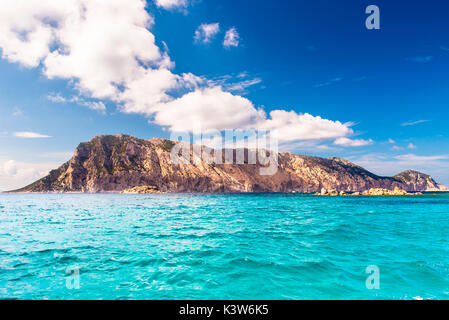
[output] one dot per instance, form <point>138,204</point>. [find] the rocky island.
<point>123,163</point>
<point>141,190</point>
<point>371,192</point>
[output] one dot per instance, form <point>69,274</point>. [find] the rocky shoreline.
<point>141,190</point>
<point>370,192</point>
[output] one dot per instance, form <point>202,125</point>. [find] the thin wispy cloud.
<point>346,142</point>
<point>444,48</point>
<point>17,112</point>
<point>93,105</point>
<point>328,83</point>
<point>425,59</point>
<point>414,123</point>
<point>236,83</point>
<point>243,85</point>
<point>30,135</point>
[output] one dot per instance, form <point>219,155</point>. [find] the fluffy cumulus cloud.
<point>232,38</point>
<point>25,36</point>
<point>171,4</point>
<point>291,126</point>
<point>210,108</point>
<point>107,50</point>
<point>206,32</point>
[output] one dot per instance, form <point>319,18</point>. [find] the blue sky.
<point>316,57</point>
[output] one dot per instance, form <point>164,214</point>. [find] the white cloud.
<point>29,135</point>
<point>210,108</point>
<point>106,49</point>
<point>292,126</point>
<point>346,142</point>
<point>105,45</point>
<point>214,109</point>
<point>411,146</point>
<point>391,141</point>
<point>171,4</point>
<point>206,32</point>
<point>232,38</point>
<point>25,30</point>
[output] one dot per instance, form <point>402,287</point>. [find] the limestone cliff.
<point>119,162</point>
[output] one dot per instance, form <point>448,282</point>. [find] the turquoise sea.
<point>238,246</point>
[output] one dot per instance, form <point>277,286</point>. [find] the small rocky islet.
<point>370,192</point>
<point>141,190</point>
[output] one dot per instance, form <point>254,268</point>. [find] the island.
<point>123,163</point>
